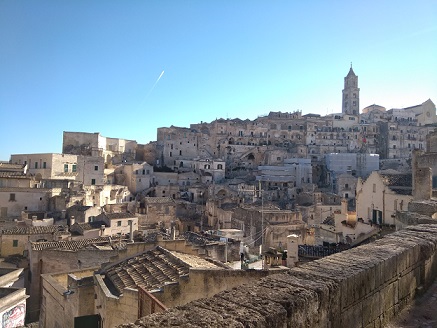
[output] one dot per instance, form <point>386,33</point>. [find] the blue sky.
<point>93,66</point>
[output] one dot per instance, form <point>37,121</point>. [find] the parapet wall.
<point>362,287</point>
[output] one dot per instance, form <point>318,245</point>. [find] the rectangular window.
<point>65,167</point>
<point>147,172</point>
<point>44,165</point>
<point>12,198</point>
<point>96,167</point>
<point>144,172</point>
<point>15,243</point>
<point>36,165</point>
<point>118,223</point>
<point>74,168</point>
<point>93,181</point>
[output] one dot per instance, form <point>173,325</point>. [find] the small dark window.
<point>15,243</point>
<point>96,167</point>
<point>93,181</point>
<point>118,223</point>
<point>12,198</point>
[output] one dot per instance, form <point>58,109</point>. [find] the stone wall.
<point>424,207</point>
<point>366,286</point>
<point>59,307</point>
<point>201,283</point>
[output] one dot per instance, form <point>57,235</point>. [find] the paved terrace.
<point>366,286</point>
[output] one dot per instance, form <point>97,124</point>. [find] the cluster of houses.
<point>110,230</point>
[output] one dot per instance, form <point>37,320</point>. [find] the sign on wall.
<point>13,317</point>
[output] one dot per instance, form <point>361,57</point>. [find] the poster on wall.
<point>14,317</point>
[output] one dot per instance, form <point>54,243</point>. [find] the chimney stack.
<point>131,231</point>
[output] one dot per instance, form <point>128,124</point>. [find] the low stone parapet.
<point>366,286</point>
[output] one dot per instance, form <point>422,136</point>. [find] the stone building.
<point>59,256</point>
<point>119,224</point>
<point>82,214</point>
<point>123,291</point>
<point>157,210</point>
<point>50,168</point>
<point>351,94</point>
<point>368,285</point>
<point>16,240</point>
<point>137,177</point>
<point>112,150</point>
<point>14,200</point>
<point>381,195</point>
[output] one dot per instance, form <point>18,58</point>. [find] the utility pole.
<point>226,250</point>
<point>262,224</point>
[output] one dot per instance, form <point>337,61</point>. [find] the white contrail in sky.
<point>159,78</point>
<point>154,85</point>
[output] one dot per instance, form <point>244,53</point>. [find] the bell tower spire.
<point>351,94</point>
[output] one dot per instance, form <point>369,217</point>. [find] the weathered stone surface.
<point>363,287</point>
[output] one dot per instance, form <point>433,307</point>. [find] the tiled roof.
<point>13,175</point>
<point>11,167</point>
<point>121,215</point>
<point>91,225</point>
<point>31,230</point>
<point>399,180</point>
<point>200,239</point>
<point>151,270</point>
<point>74,245</point>
<point>80,208</point>
<point>401,183</point>
<point>158,200</point>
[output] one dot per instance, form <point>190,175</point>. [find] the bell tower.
<point>351,94</point>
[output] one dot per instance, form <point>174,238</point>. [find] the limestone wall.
<point>362,287</point>
<point>205,283</point>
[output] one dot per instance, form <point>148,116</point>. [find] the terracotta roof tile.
<point>158,200</point>
<point>74,245</point>
<point>121,215</point>
<point>151,270</point>
<point>31,230</point>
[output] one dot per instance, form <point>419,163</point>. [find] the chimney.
<point>344,206</point>
<point>102,230</point>
<point>72,220</point>
<point>131,231</point>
